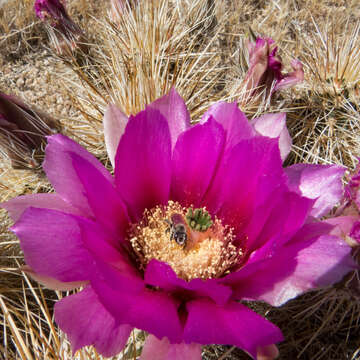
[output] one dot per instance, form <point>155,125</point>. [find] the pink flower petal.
<point>103,247</point>
<point>346,228</point>
<point>52,283</point>
<point>18,205</point>
<point>64,246</point>
<point>143,162</point>
<point>174,110</point>
<point>342,225</point>
<point>274,126</point>
<point>292,78</point>
<point>258,259</point>
<point>161,275</point>
<point>114,126</point>
<point>268,352</point>
<point>130,302</point>
<point>58,166</point>
<point>321,182</point>
<point>87,322</point>
<point>52,244</point>
<point>247,177</point>
<point>195,158</point>
<point>288,213</point>
<point>235,123</point>
<point>108,208</point>
<point>259,218</point>
<point>301,265</point>
<point>355,232</point>
<point>236,324</point>
<point>155,349</point>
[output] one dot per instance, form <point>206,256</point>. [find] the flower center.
<point>187,239</point>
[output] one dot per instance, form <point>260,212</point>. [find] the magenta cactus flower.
<point>64,33</point>
<point>194,220</point>
<point>265,68</point>
<point>55,12</point>
<point>54,9</point>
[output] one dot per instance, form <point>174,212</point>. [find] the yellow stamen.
<point>206,254</point>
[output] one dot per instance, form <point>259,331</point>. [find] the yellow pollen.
<point>204,255</point>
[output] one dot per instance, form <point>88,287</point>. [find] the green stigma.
<point>198,219</point>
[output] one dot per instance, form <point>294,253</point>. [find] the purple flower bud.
<point>265,68</point>
<point>23,132</point>
<point>64,33</point>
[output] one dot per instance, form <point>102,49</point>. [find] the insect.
<point>177,229</point>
